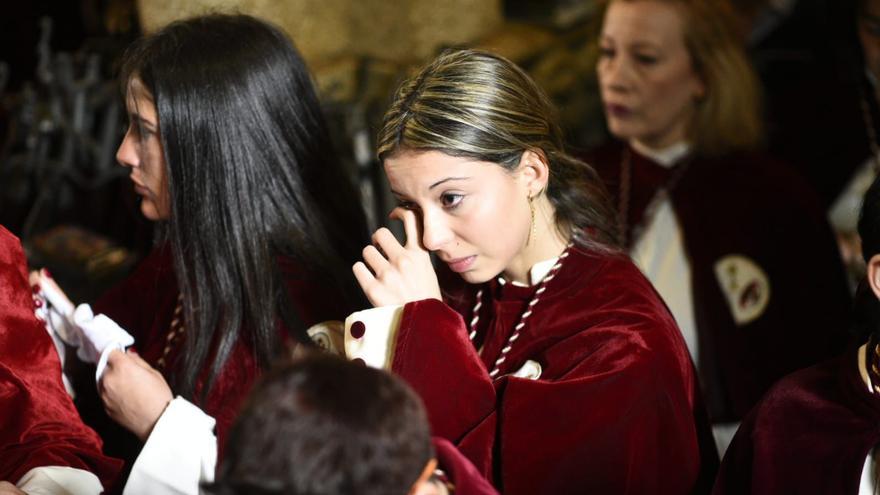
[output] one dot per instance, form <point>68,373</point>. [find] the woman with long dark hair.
<point>548,358</point>
<point>230,154</point>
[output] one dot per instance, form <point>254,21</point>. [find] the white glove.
<point>93,336</point>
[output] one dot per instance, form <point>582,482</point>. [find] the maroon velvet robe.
<point>616,409</point>
<point>809,434</point>
<point>144,305</point>
<point>39,425</point>
<point>459,471</point>
<point>748,205</point>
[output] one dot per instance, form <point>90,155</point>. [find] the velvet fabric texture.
<point>616,409</point>
<point>750,206</point>
<point>39,425</point>
<point>460,472</point>
<point>810,434</point>
<point>144,305</point>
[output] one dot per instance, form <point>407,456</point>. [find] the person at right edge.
<point>816,430</point>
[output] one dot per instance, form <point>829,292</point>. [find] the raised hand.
<point>393,274</point>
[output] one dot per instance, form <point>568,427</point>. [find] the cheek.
<point>669,97</point>
<point>504,220</point>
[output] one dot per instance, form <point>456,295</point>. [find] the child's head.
<point>322,425</point>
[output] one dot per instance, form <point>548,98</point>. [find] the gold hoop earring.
<point>533,228</point>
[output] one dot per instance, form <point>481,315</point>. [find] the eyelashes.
<point>449,202</point>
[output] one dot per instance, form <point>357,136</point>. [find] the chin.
<point>149,211</point>
<point>476,276</point>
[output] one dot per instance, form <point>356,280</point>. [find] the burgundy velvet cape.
<point>809,434</point>
<point>749,205</point>
<point>616,409</point>
<point>460,472</point>
<point>144,305</point>
<point>39,426</point>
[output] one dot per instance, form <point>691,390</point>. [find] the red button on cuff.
<point>358,329</point>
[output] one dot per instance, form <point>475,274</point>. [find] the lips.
<point>619,111</point>
<point>459,265</point>
<point>140,188</point>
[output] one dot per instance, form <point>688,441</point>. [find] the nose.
<point>126,154</point>
<point>436,232</point>
<point>614,73</point>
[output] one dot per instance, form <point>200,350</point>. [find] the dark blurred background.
<point>61,114</point>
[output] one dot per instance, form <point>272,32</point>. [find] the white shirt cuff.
<point>370,335</point>
<point>58,480</point>
<point>179,455</point>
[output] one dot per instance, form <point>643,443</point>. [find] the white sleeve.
<point>370,335</point>
<point>58,480</point>
<point>179,455</point>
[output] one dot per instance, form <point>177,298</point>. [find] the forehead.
<point>138,98</point>
<point>647,22</point>
<point>414,172</point>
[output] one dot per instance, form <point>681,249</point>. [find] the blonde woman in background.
<point>539,349</point>
<point>736,244</point>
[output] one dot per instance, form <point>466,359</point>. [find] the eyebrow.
<point>432,186</point>
<point>448,179</point>
<point>144,122</point>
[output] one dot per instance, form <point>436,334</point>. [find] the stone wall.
<point>399,31</point>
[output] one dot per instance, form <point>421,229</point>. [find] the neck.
<point>546,243</point>
<point>666,156</point>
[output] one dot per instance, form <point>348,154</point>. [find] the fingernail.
<point>47,272</point>
<point>38,303</point>
<point>35,288</point>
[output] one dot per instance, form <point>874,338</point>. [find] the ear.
<point>533,172</point>
<point>874,274</point>
<point>422,486</point>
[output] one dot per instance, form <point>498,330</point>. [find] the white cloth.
<point>661,255</point>
<point>58,480</point>
<point>868,483</point>
<point>179,455</point>
<point>376,346</point>
<point>844,213</point>
<point>94,336</point>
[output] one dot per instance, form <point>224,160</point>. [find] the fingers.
<point>364,276</point>
<point>374,260</point>
<point>410,226</point>
<point>138,360</point>
<point>385,240</point>
<point>34,278</point>
<point>115,359</point>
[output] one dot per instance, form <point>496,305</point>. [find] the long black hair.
<point>252,177</point>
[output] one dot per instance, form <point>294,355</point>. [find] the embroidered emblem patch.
<point>745,286</point>
<point>328,335</point>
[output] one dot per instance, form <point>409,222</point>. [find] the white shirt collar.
<point>536,274</point>
<point>667,156</point>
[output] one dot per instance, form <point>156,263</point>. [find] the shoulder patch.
<point>328,336</point>
<point>745,285</point>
